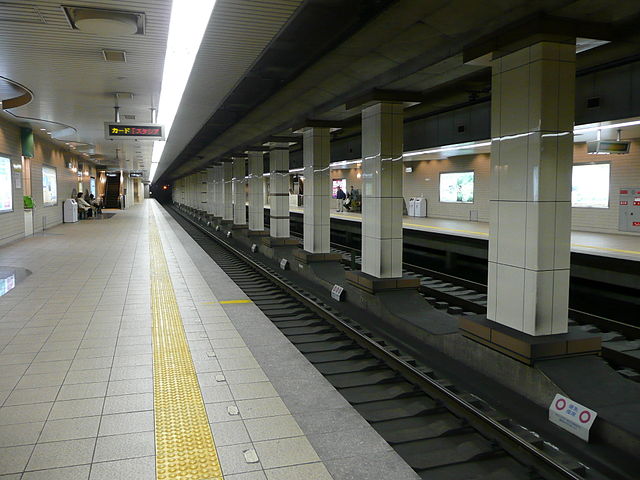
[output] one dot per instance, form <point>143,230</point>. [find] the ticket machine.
<point>629,209</point>
<point>70,211</point>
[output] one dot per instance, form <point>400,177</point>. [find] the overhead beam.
<point>377,95</point>
<point>534,29</point>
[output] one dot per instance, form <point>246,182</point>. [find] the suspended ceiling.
<point>71,82</point>
<point>407,46</point>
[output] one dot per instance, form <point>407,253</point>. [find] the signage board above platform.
<point>571,416</point>
<point>133,131</point>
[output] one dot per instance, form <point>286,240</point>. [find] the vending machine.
<point>629,210</point>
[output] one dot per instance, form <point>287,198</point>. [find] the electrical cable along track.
<point>443,434</point>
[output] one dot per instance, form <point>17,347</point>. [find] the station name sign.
<point>133,131</point>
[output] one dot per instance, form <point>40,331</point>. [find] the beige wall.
<point>424,180</point>
<point>46,153</point>
<point>11,223</point>
<point>625,172</point>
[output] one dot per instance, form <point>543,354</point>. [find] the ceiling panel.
<point>71,82</point>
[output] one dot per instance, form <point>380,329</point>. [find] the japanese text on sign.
<point>571,416</point>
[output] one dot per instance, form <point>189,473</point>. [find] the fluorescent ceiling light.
<point>447,148</point>
<point>587,128</point>
<point>186,29</point>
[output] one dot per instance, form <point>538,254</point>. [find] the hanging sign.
<point>571,416</point>
<point>133,131</point>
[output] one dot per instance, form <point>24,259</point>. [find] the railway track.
<point>459,296</point>
<point>441,432</point>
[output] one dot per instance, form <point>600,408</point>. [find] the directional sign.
<point>133,131</point>
<point>571,416</point>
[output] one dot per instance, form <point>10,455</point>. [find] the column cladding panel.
<point>211,187</point>
<point>256,191</point>
<point>218,192</point>
<point>227,190</point>
<point>239,195</point>
<point>317,190</point>
<point>532,120</point>
<point>279,191</point>
<point>382,202</point>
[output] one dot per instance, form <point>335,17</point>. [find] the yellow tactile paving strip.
<point>184,445</point>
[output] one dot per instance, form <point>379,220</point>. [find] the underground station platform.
<point>188,347</point>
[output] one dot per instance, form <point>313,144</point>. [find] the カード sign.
<point>571,416</point>
<point>133,131</point>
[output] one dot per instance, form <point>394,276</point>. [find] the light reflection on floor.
<point>10,277</point>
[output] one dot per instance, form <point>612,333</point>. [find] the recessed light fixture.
<point>105,22</point>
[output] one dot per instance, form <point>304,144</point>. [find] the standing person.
<point>340,196</point>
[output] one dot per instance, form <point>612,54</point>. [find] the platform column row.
<point>211,187</point>
<point>203,193</point>
<point>218,207</point>
<point>279,190</point>
<point>239,196</point>
<point>227,191</point>
<point>317,190</point>
<point>532,121</point>
<point>256,191</point>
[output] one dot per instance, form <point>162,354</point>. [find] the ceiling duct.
<point>108,23</point>
<point>114,55</point>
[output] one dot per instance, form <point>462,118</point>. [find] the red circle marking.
<point>584,416</point>
<point>560,404</point>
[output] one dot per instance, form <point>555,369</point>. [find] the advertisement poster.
<point>590,186</point>
<point>6,193</point>
<point>456,187</point>
<point>339,182</point>
<point>49,187</point>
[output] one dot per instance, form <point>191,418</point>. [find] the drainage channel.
<point>440,432</point>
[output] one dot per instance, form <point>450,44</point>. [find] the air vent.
<point>114,55</point>
<point>11,12</point>
<point>129,117</point>
<point>461,128</point>
<point>593,102</point>
<point>105,22</point>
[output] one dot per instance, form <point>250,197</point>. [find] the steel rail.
<point>519,448</point>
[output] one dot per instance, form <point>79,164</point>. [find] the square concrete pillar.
<point>256,191</point>
<point>227,191</point>
<point>239,194</point>
<point>279,190</point>
<point>532,116</point>
<point>204,191</point>
<point>211,187</point>
<point>218,187</point>
<point>382,200</point>
<point>317,190</point>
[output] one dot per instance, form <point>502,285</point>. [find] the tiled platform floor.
<point>76,367</point>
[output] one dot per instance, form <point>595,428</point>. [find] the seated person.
<point>83,206</point>
<point>95,203</point>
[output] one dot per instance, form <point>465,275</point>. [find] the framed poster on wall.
<point>456,187</point>
<point>49,186</point>
<point>590,185</point>
<point>6,192</point>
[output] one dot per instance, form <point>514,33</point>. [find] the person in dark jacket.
<point>340,196</point>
